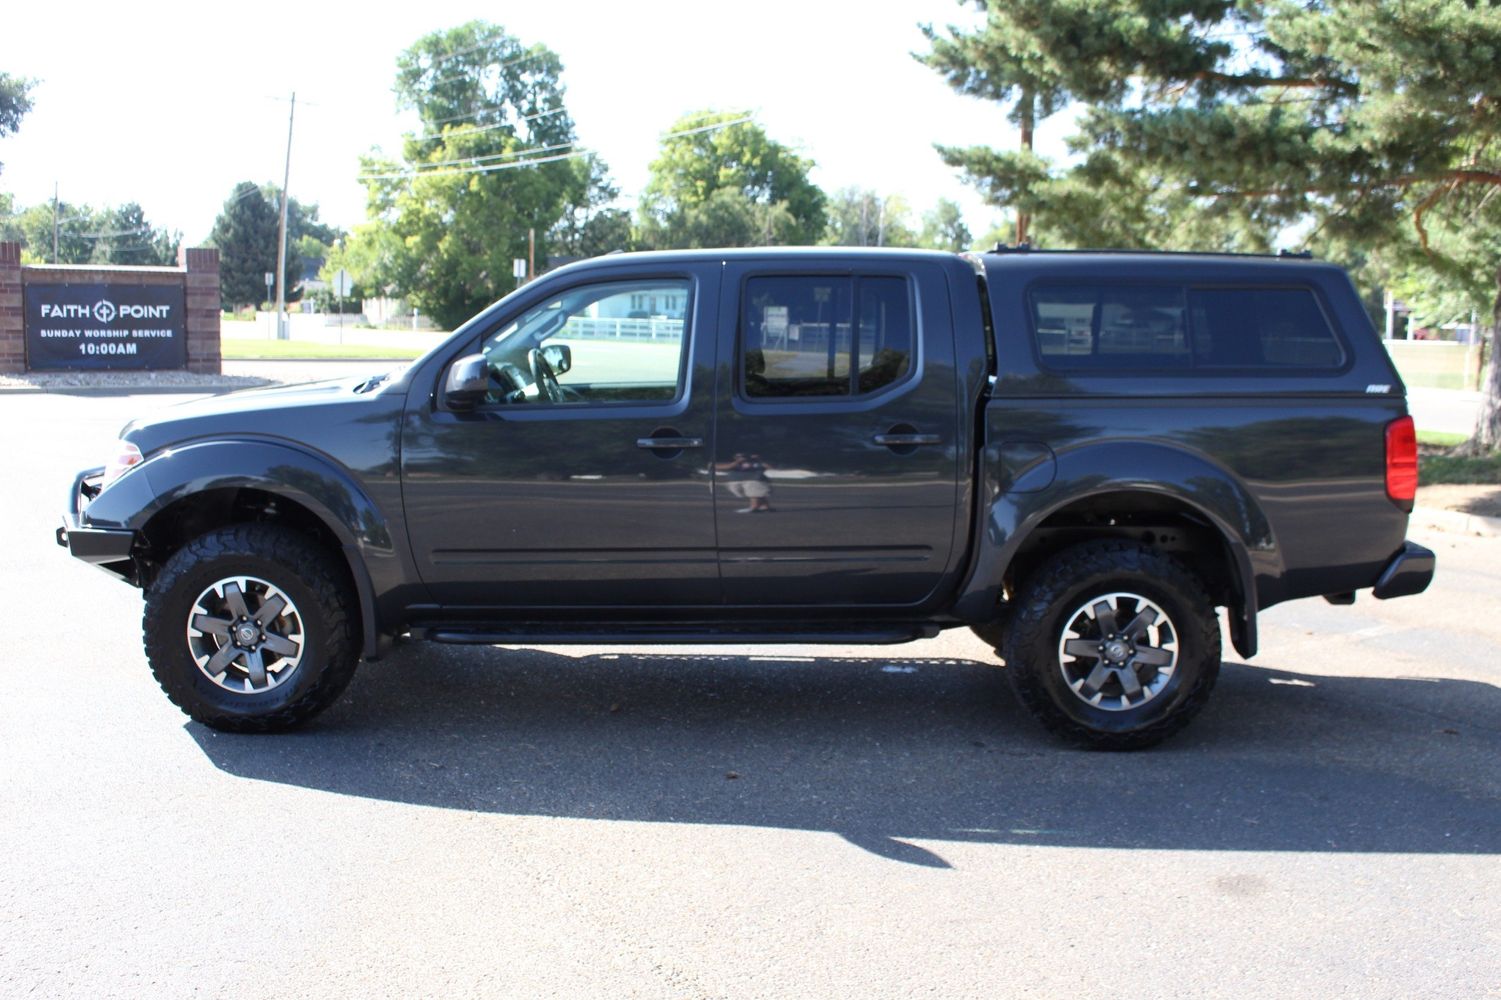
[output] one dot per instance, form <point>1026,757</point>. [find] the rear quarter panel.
<point>1292,464</point>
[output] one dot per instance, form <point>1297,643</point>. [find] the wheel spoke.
<point>1153,656</point>
<point>1096,679</point>
<point>234,600</point>
<point>280,645</point>
<point>256,665</point>
<point>1143,620</point>
<point>1082,648</point>
<point>245,652</point>
<point>209,625</point>
<point>1117,650</point>
<point>270,609</point>
<point>220,661</point>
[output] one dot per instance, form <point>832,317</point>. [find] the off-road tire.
<point>316,584</point>
<point>1077,575</point>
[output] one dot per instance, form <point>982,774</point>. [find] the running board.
<point>542,635</point>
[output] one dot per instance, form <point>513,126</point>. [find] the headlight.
<point>125,455</point>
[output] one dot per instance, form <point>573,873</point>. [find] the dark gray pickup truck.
<point>1082,456</point>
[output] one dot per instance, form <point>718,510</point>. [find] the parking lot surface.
<point>726,822</point>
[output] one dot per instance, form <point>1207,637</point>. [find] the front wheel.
<point>1113,645</point>
<point>248,629</point>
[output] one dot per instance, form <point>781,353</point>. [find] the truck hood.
<point>278,410</point>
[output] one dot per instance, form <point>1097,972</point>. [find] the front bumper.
<point>1410,572</point>
<point>107,548</point>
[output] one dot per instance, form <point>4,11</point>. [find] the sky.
<point>170,105</point>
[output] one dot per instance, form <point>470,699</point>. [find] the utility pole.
<point>531,254</point>
<point>281,241</point>
<point>54,222</point>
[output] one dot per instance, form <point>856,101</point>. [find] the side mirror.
<point>559,357</point>
<point>468,382</point>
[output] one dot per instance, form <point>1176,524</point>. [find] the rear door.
<point>836,463</point>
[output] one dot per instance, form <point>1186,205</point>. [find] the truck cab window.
<point>817,335</point>
<point>619,342</point>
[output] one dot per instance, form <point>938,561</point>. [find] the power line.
<point>485,169</point>
<point>706,128</point>
<point>491,107</point>
<point>460,76</point>
<point>456,133</point>
<point>445,56</point>
<point>510,155</point>
<point>492,167</point>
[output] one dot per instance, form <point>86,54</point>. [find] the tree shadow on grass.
<point>891,750</point>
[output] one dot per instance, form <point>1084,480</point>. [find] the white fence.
<point>590,328</point>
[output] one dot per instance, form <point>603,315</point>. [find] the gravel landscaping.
<point>127,381</point>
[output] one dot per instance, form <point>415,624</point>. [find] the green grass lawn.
<point>1441,439</point>
<point>292,350</point>
<point>1436,468</point>
<point>1438,465</point>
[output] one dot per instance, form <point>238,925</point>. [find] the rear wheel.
<point>247,629</point>
<point>1113,645</point>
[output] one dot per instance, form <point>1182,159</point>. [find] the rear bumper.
<point>1409,572</point>
<point>107,548</point>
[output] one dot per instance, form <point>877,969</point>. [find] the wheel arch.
<point>182,493</point>
<point>1131,490</point>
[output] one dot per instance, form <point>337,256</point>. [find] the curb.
<point>320,361</point>
<point>1456,521</point>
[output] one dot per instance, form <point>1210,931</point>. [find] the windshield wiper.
<point>373,382</point>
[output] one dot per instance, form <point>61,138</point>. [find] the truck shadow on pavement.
<point>888,752</point>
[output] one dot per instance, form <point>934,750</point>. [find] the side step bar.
<point>551,635</point>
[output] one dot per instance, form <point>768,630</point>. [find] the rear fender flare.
<point>1209,490</point>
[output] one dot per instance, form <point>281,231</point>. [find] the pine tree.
<point>1368,125</point>
<point>246,233</point>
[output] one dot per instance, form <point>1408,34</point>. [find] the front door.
<point>836,452</point>
<point>584,480</point>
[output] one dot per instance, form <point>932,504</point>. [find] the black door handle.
<point>906,440</point>
<point>669,443</point>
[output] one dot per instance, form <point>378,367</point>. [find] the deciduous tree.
<point>590,225</point>
<point>88,235</point>
<point>861,218</point>
<point>720,180</point>
<point>15,101</point>
<point>943,228</point>
<point>488,165</point>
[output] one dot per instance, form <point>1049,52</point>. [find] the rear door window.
<point>824,335</point>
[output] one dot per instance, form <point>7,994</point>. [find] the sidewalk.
<point>1452,411</point>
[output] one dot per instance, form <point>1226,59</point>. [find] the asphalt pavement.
<point>725,822</point>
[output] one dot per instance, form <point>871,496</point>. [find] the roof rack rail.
<point>1004,248</point>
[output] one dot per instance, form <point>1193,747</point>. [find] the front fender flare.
<point>279,468</point>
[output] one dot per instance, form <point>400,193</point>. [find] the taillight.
<point>1402,462</point>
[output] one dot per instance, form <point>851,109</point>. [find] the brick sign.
<point>93,326</point>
